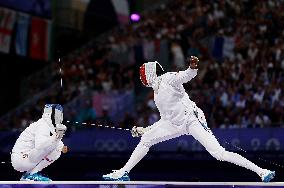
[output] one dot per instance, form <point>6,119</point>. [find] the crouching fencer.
<point>179,116</point>
<point>39,145</point>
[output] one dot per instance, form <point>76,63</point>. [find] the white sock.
<point>43,164</point>
<point>241,161</point>
<point>139,152</point>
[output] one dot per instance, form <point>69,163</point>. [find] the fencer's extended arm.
<point>184,76</point>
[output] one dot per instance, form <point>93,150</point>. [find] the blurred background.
<point>102,44</point>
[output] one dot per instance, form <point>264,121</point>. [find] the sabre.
<point>99,125</point>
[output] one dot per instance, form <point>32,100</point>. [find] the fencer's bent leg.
<point>49,159</point>
<point>21,163</point>
<point>26,162</point>
<point>37,154</point>
<point>161,131</point>
<point>209,141</point>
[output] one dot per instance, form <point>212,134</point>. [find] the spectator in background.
<point>228,46</point>
<point>218,46</point>
<point>241,43</point>
<point>252,51</point>
<point>105,118</point>
<point>128,121</point>
<point>87,114</point>
<point>262,120</point>
<point>178,57</point>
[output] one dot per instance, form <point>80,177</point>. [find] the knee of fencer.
<point>56,153</point>
<point>53,156</point>
<point>219,154</point>
<point>46,146</point>
<point>50,147</point>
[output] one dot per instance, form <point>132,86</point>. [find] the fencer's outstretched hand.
<point>137,131</point>
<point>60,130</point>
<point>193,62</point>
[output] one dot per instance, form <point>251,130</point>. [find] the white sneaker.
<point>267,175</point>
<point>117,175</point>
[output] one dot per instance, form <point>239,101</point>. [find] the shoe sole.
<point>34,180</point>
<point>26,180</point>
<point>118,179</point>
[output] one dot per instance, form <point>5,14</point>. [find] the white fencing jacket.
<point>170,97</point>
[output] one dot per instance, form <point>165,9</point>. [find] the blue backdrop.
<point>108,140</point>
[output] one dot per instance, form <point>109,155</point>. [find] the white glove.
<point>60,130</point>
<point>138,131</point>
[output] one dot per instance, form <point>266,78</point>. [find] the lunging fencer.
<point>179,116</point>
<point>39,145</point>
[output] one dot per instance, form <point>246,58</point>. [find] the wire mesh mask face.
<point>54,112</point>
<point>148,73</point>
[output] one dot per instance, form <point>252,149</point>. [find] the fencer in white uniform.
<point>40,144</point>
<point>179,116</point>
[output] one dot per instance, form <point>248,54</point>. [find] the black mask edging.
<point>53,115</point>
